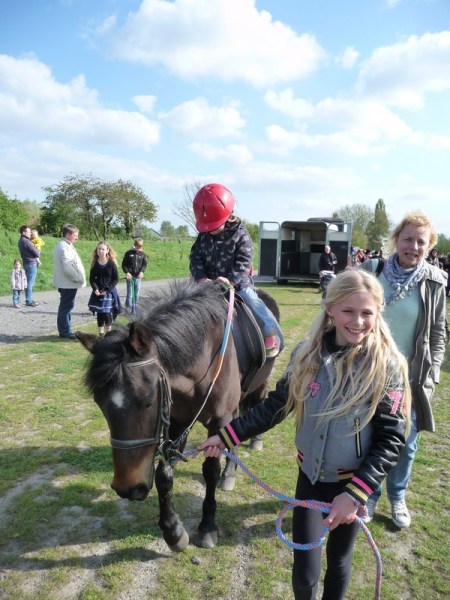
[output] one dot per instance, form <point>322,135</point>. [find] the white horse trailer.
<point>291,251</point>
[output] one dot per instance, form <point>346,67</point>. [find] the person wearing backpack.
<point>415,309</point>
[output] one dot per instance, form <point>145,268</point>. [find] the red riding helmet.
<point>213,204</point>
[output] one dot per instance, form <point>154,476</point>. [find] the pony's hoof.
<point>207,540</point>
<point>256,444</point>
<point>227,484</point>
<point>182,543</point>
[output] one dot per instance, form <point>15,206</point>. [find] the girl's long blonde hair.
<point>363,373</point>
<point>111,254</point>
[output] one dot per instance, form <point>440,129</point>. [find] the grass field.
<point>65,535</point>
<point>166,259</point>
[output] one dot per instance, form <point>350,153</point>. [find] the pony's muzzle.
<point>137,488</point>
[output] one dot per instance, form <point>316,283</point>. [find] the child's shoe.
<point>272,345</point>
<point>17,306</point>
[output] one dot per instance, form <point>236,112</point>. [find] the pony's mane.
<point>179,316</point>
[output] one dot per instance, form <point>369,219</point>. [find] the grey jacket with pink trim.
<point>333,451</point>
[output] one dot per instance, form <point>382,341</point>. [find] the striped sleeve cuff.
<point>229,437</point>
<point>359,490</point>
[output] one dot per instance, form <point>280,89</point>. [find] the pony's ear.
<point>140,338</point>
<point>87,339</point>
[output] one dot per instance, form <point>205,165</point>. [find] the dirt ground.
<point>30,322</point>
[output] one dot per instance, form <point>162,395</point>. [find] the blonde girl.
<point>347,387</point>
<point>103,278</point>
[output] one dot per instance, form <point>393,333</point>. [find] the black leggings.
<point>104,319</point>
<point>307,527</point>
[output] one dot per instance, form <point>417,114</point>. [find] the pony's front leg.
<point>172,528</point>
<point>207,529</point>
<point>228,478</point>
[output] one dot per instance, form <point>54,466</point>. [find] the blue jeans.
<point>398,478</point>
<point>264,317</point>
<point>66,304</point>
<point>31,271</point>
<point>136,281</point>
<point>16,297</point>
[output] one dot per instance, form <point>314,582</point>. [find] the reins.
<point>170,449</point>
<point>167,448</point>
<point>291,503</point>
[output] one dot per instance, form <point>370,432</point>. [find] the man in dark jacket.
<point>30,259</point>
<point>134,264</point>
<point>327,260</point>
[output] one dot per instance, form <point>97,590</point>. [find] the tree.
<point>183,208</point>
<point>167,230</point>
<point>359,215</point>
<point>182,231</point>
<point>33,210</point>
<point>378,229</point>
<point>97,206</point>
<point>252,229</point>
<point>131,206</point>
<point>12,213</point>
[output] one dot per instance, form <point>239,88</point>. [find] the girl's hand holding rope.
<point>212,447</point>
<point>343,512</point>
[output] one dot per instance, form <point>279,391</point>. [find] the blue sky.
<point>298,106</point>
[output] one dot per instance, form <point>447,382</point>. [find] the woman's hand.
<point>343,511</point>
<point>212,446</point>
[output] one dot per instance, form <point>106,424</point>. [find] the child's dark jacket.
<point>228,254</point>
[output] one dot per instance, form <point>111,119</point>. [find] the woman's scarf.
<point>402,280</point>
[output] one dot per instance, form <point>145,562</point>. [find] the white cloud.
<point>145,104</point>
<point>285,103</point>
<point>403,73</point>
<point>233,153</point>
<point>197,118</point>
<point>48,162</point>
<point>33,103</point>
<point>348,58</point>
<point>355,127</point>
<point>224,39</point>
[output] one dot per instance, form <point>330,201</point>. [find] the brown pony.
<point>155,378</point>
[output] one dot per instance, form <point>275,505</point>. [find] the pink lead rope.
<point>291,503</point>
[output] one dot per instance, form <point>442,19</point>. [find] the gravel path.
<point>28,322</point>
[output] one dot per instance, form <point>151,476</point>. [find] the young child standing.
<point>347,386</point>
<point>103,278</point>
<point>134,264</point>
<point>18,282</point>
<point>223,251</point>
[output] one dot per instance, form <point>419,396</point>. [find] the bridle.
<point>165,402</point>
<point>167,449</point>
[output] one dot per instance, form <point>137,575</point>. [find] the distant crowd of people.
<point>69,276</point>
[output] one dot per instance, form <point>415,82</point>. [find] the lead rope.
<point>291,503</point>
<point>172,447</point>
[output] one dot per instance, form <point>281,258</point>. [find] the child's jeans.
<point>265,318</point>
<point>16,297</point>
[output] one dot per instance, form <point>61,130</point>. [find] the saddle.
<point>249,343</point>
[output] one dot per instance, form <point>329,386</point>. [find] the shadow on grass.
<point>67,504</point>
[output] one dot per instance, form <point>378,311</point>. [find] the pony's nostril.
<point>139,492</point>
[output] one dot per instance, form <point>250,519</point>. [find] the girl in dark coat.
<point>103,278</point>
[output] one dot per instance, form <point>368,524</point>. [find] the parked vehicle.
<point>290,251</point>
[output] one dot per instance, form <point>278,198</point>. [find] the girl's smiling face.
<point>354,318</point>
